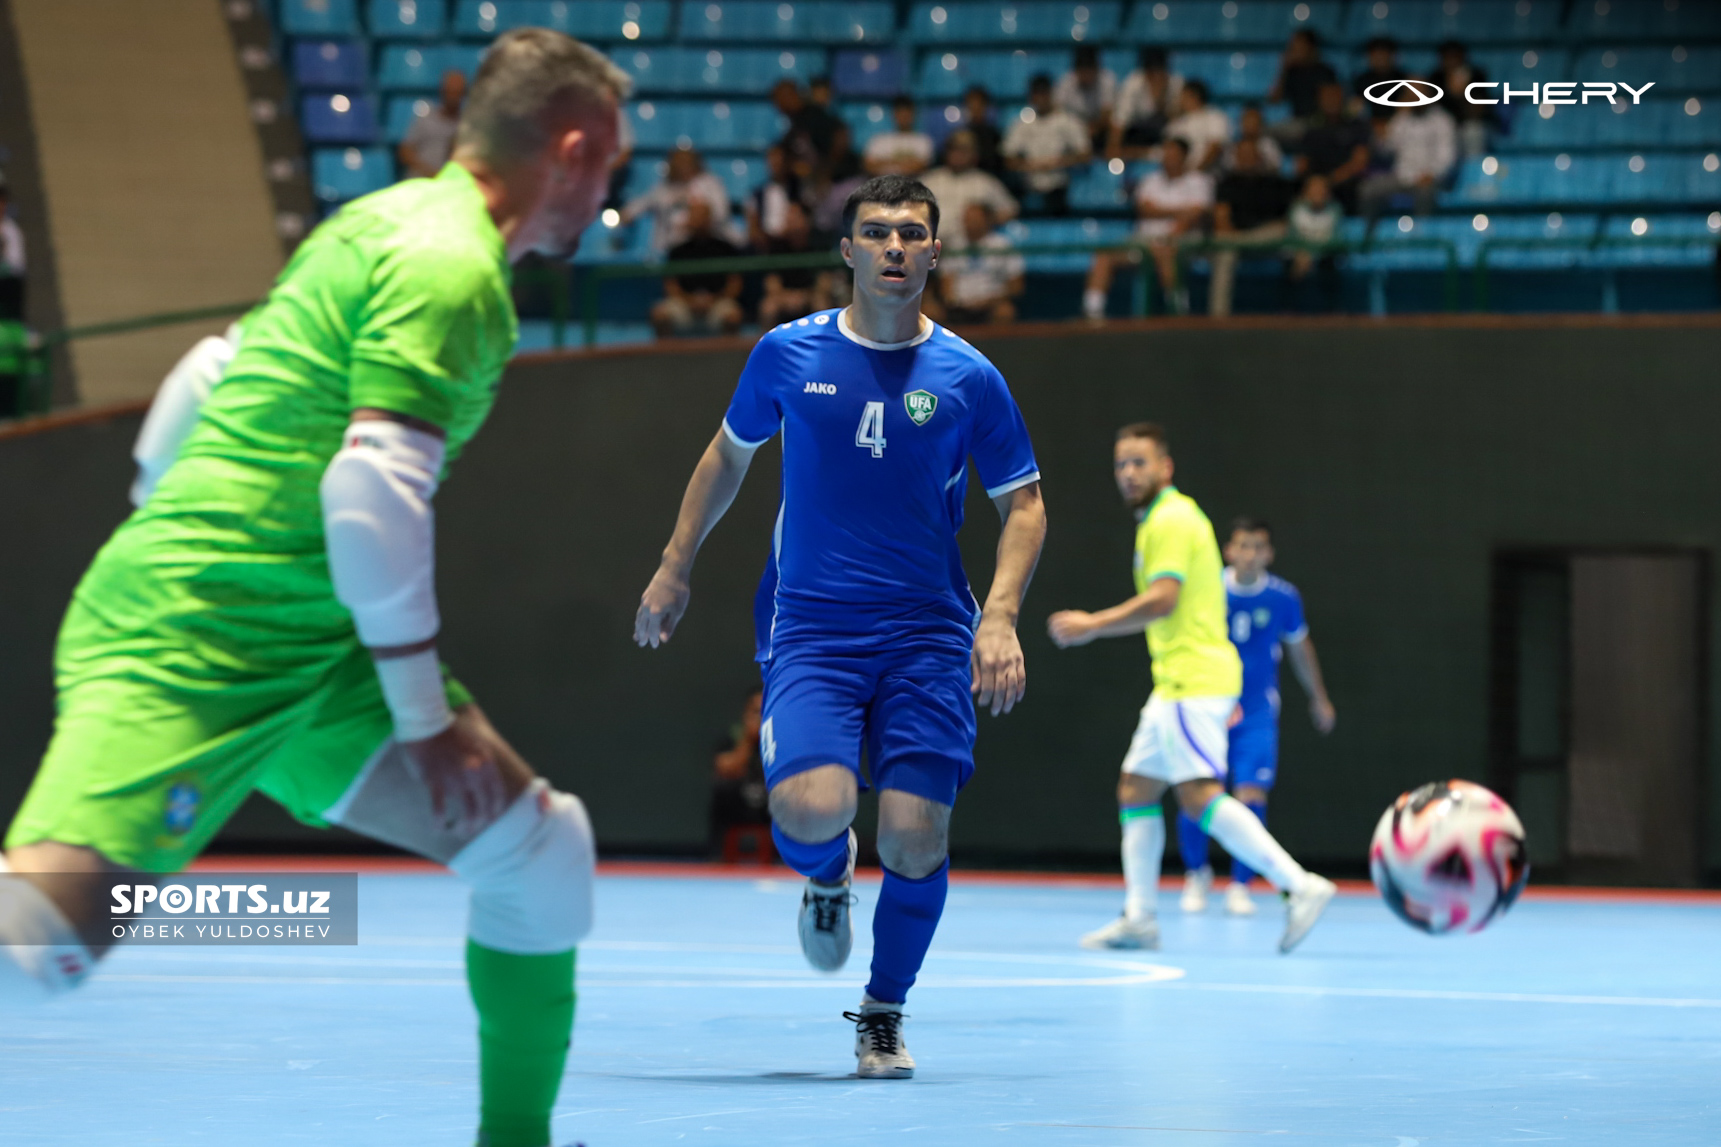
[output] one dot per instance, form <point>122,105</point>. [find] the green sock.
<point>525,1023</point>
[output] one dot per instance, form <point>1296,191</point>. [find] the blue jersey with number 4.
<point>876,442</point>
<point>1262,616</point>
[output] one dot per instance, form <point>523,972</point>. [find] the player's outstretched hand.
<point>1070,627</point>
<point>462,769</point>
<point>1000,672</point>
<point>660,608</point>
<point>1321,712</point>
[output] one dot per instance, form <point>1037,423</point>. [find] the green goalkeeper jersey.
<point>399,302</point>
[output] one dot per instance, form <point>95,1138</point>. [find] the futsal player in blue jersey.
<point>1265,617</point>
<point>868,632</point>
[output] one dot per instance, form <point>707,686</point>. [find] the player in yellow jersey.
<point>1197,677</point>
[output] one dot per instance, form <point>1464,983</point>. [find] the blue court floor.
<point>1571,1022</point>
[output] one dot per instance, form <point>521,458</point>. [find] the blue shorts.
<point>1255,749</point>
<point>911,706</point>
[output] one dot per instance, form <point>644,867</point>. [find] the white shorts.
<point>1183,740</point>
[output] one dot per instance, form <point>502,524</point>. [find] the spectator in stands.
<point>11,299</point>
<point>960,182</point>
<point>978,119</point>
<point>1252,126</point>
<point>767,208</point>
<point>698,303</point>
<point>1424,146</point>
<point>1301,74</point>
<point>905,151</point>
<point>1171,205</point>
<point>685,182</point>
<point>1249,210</point>
<point>1314,220</point>
<point>1043,145</point>
<point>1087,91</point>
<point>1146,101</point>
<point>794,292</point>
<point>1335,144</point>
<point>430,140</point>
<point>1454,74</point>
<point>1204,129</point>
<point>1382,57</point>
<point>738,793</point>
<point>816,137</point>
<point>11,236</point>
<point>981,285</point>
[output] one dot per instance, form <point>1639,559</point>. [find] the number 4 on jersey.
<point>871,432</point>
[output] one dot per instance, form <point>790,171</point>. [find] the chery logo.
<point>1404,93</point>
<point>1421,93</point>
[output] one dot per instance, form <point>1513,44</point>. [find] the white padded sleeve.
<point>380,531</point>
<point>174,411</point>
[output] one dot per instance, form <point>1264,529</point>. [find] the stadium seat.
<point>739,173</point>
<point>407,19</point>
<point>818,21</point>
<point>1659,240</point>
<point>749,71</point>
<point>709,126</point>
<point>1028,22</point>
<point>339,118</point>
<point>945,75</point>
<point>1263,22</point>
<point>1505,180</point>
<point>1522,66</point>
<point>1674,68</point>
<point>869,75</point>
<point>1697,123</point>
<point>342,173</point>
<point>319,17</point>
<point>1653,20</point>
<point>1402,242</point>
<point>1238,74</point>
<point>330,64</point>
<point>621,244</point>
<point>405,67</point>
<point>1645,125</point>
<point>865,120</point>
<point>1064,232</point>
<point>1655,177</point>
<point>1553,128</point>
<point>1097,187</point>
<point>399,114</point>
<point>605,21</point>
<point>1572,233</point>
<point>1473,21</point>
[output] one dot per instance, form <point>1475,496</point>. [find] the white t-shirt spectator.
<point>667,204</point>
<point>900,147</point>
<point>1423,144</point>
<point>1086,104</point>
<point>11,247</point>
<point>1191,189</point>
<point>1202,128</point>
<point>1135,99</point>
<point>982,279</point>
<point>1055,135</point>
<point>1314,225</point>
<point>956,191</point>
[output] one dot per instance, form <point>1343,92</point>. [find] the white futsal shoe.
<point>1126,933</point>
<point>1238,902</point>
<point>1303,907</point>
<point>880,1051</point>
<point>1196,884</point>
<point>827,928</point>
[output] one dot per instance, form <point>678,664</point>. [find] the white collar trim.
<point>1241,590</point>
<point>927,326</point>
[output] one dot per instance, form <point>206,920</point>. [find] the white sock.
<point>1242,834</point>
<point>1093,303</point>
<point>1143,849</point>
<point>40,953</point>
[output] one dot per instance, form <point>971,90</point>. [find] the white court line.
<point>1440,994</point>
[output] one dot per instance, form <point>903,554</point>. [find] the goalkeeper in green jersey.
<point>267,618</point>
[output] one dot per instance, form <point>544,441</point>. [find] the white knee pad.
<point>40,953</point>
<point>531,875</point>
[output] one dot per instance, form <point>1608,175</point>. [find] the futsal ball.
<point>1449,857</point>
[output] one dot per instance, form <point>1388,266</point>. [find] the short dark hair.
<point>1383,43</point>
<point>903,101</point>
<point>1199,87</point>
<point>1040,82</point>
<point>819,82</point>
<point>1313,37</point>
<point>889,190</point>
<point>1179,141</point>
<point>1153,58</point>
<point>1087,56</point>
<point>1452,46</point>
<point>977,90</point>
<point>1152,431</point>
<point>1244,524</point>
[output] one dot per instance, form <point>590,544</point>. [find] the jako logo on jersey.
<point>920,404</point>
<point>181,811</point>
<point>820,388</point>
<point>1421,93</point>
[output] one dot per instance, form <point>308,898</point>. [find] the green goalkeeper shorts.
<point>155,746</point>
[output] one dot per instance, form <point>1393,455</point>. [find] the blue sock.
<point>1191,842</point>
<point>902,927</point>
<point>825,862</point>
<point>1240,872</point>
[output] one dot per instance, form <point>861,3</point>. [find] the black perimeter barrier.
<point>1393,459</point>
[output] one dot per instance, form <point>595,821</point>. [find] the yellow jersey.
<point>1191,648</point>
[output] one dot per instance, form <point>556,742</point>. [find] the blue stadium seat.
<point>618,21</point>
<point>1399,242</point>
<point>865,120</point>
<point>399,114</point>
<point>1508,180</point>
<point>1653,20</point>
<point>330,64</point>
<point>1237,74</point>
<point>629,243</point>
<point>1673,68</point>
<point>1473,21</point>
<point>868,74</point>
<point>1696,123</point>
<point>707,125</point>
<point>1566,229</point>
<point>749,71</point>
<point>1064,232</point>
<point>1553,128</point>
<point>644,173</point>
<point>1659,241</point>
<point>1658,177</point>
<point>945,75</point>
<point>1098,188</point>
<point>819,21</point>
<point>1239,21</point>
<point>1522,66</point>
<point>319,17</point>
<point>1645,125</point>
<point>1027,22</point>
<point>404,67</point>
<point>339,118</point>
<point>342,173</point>
<point>739,173</point>
<point>407,19</point>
